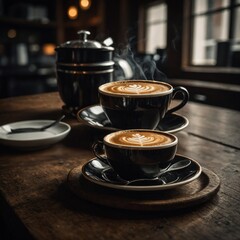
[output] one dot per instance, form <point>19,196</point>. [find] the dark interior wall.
<point>174,38</point>
<point>112,21</point>
<point>121,22</point>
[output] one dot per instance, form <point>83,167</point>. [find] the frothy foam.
<point>141,139</point>
<point>135,87</point>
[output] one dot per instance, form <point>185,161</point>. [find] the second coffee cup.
<point>138,103</point>
<point>137,153</point>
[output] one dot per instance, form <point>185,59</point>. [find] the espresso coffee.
<point>135,88</point>
<point>139,138</point>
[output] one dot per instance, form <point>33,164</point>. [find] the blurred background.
<point>193,43</point>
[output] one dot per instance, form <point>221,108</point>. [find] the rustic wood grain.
<point>36,202</point>
<point>214,124</point>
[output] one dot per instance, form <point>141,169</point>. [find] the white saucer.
<point>33,140</point>
<point>92,175</point>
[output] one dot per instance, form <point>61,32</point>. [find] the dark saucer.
<point>94,116</point>
<point>102,174</point>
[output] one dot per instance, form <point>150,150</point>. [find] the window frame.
<point>179,67</point>
<point>142,23</point>
<point>188,16</point>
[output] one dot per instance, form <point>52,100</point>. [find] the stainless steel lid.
<point>83,42</point>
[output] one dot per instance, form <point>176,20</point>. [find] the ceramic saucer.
<point>94,116</point>
<point>102,174</point>
<point>33,140</point>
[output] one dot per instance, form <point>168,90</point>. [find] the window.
<point>156,27</point>
<point>215,33</point>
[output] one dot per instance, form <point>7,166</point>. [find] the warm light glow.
<point>49,49</point>
<point>72,12</point>
<point>12,33</point>
<point>85,4</point>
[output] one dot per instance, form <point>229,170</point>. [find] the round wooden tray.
<point>194,193</point>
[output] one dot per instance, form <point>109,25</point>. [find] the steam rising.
<point>140,66</point>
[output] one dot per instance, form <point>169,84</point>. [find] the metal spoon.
<point>167,178</point>
<point>25,130</point>
<point>174,167</point>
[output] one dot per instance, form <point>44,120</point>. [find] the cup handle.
<point>98,147</point>
<point>185,94</point>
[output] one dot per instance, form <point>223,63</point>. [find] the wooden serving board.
<point>198,191</point>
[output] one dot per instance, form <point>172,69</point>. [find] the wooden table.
<point>36,202</point>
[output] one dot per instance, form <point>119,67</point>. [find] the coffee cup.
<point>138,103</point>
<point>137,153</point>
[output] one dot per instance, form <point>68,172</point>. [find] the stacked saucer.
<point>103,174</point>
<point>95,117</point>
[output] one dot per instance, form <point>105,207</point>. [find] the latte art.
<point>143,140</point>
<point>139,138</point>
<point>135,87</point>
